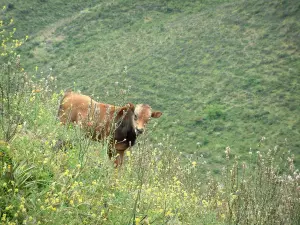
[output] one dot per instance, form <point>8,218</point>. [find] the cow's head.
<point>141,116</point>
<point>138,116</point>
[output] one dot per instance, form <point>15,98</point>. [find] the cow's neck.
<point>125,132</point>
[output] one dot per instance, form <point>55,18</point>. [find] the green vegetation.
<point>42,184</point>
<point>224,73</point>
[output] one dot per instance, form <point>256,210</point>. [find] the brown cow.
<point>101,121</point>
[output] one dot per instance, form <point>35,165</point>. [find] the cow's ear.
<point>125,108</point>
<point>131,106</point>
<point>156,114</point>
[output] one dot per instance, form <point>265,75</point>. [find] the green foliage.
<point>13,83</point>
<point>4,153</point>
<point>12,90</point>
<point>214,112</point>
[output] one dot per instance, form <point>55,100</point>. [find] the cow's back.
<point>95,117</point>
<point>75,107</point>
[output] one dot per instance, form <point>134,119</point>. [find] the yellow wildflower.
<point>66,173</point>
<point>8,207</point>
<point>169,213</point>
<point>205,203</point>
<point>137,220</point>
<point>21,207</point>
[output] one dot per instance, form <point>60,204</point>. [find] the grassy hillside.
<point>215,70</point>
<point>225,73</point>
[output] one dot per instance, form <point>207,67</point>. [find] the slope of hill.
<point>225,73</point>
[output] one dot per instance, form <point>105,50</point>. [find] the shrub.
<point>13,82</point>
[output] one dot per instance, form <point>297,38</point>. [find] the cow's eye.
<point>135,117</point>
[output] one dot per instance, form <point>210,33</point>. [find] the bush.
<point>214,112</point>
<point>13,83</point>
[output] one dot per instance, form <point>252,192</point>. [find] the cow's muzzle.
<point>139,131</point>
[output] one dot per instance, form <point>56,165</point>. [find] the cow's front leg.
<point>117,155</point>
<point>119,158</point>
